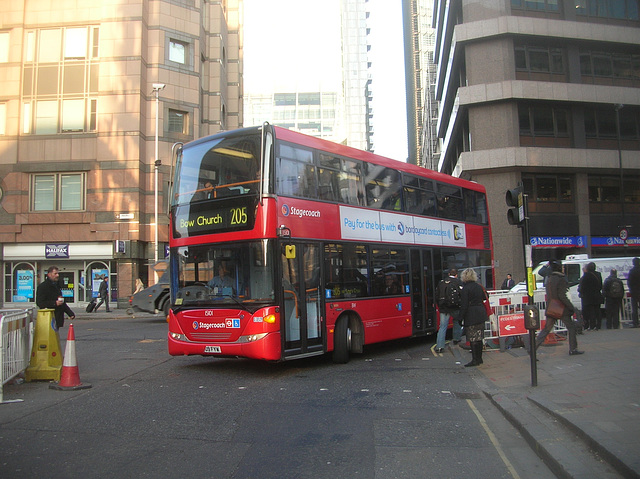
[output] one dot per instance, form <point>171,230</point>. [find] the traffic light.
<point>515,200</point>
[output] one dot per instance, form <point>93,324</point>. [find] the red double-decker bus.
<point>285,246</point>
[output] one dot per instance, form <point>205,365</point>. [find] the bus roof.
<point>347,151</point>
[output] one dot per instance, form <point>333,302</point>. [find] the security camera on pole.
<point>518,215</point>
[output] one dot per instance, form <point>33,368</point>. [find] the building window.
<point>536,5</point>
<point>178,51</point>
<point>4,47</point>
<point>284,99</point>
<point>622,69</point>
<point>549,193</point>
<point>58,192</point>
<point>617,9</point>
<point>59,74</point>
<point>543,125</point>
<point>178,121</point>
<point>3,118</point>
<point>539,63</point>
<point>605,194</point>
<point>601,130</point>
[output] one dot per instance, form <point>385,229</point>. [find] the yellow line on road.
<point>493,439</point>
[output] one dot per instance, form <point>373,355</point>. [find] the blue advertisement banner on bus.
<point>370,225</point>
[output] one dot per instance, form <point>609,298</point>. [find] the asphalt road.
<point>397,411</point>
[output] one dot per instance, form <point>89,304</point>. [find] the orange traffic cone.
<point>70,379</point>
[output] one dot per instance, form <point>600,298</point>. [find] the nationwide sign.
<point>614,241</point>
<point>56,250</point>
<point>559,241</point>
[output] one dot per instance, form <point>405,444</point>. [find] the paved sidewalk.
<point>596,395</point>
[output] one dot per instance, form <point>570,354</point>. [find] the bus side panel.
<point>383,319</point>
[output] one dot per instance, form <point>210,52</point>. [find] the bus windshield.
<point>214,275</point>
<point>226,166</point>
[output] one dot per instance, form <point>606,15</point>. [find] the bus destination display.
<point>206,218</point>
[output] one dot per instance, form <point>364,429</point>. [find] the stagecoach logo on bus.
<point>299,212</point>
<point>231,323</point>
<point>386,226</point>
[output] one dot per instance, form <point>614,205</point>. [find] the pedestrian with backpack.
<point>449,296</point>
<point>613,291</point>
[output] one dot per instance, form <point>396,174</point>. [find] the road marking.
<point>493,439</point>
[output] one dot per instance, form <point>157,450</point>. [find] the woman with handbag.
<point>473,314</point>
<point>557,286</point>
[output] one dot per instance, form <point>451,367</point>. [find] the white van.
<point>573,265</point>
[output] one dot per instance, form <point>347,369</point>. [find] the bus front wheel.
<point>342,341</point>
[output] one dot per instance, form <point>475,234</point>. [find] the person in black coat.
<point>590,290</point>
<point>633,281</point>
<point>473,314</point>
<point>49,295</point>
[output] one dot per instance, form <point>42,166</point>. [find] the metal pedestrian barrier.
<point>508,315</point>
<point>16,336</point>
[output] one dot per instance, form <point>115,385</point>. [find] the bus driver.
<point>223,283</point>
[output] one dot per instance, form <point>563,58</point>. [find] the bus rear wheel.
<point>342,341</point>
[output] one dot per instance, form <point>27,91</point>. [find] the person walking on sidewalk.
<point>473,314</point>
<point>103,292</point>
<point>613,291</point>
<point>557,286</point>
<point>449,294</point>
<point>49,295</point>
<point>590,290</point>
<point>633,281</point>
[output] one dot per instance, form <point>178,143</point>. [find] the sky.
<point>298,37</point>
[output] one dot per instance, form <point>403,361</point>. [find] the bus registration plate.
<point>212,349</point>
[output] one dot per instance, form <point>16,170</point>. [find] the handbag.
<point>486,304</point>
<point>555,308</point>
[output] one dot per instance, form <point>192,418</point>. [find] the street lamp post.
<point>156,89</point>
<point>619,107</point>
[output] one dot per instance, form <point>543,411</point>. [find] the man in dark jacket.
<point>590,290</point>
<point>613,291</point>
<point>448,311</point>
<point>557,286</point>
<point>49,295</point>
<point>633,281</point>
<point>103,292</point>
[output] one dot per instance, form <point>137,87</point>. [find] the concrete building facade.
<point>545,94</point>
<point>82,175</point>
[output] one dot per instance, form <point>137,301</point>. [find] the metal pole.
<point>618,108</point>
<point>156,182</point>
<point>156,88</point>
<point>528,267</point>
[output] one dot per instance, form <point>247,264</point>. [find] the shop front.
<point>82,267</point>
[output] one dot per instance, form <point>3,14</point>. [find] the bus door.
<point>422,309</point>
<point>302,299</point>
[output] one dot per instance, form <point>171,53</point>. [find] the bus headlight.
<point>178,337</point>
<point>251,338</point>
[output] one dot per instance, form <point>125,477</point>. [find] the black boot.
<point>479,345</point>
<point>474,355</point>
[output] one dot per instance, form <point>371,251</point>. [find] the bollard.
<point>46,360</point>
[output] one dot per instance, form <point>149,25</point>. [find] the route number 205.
<point>239,216</point>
